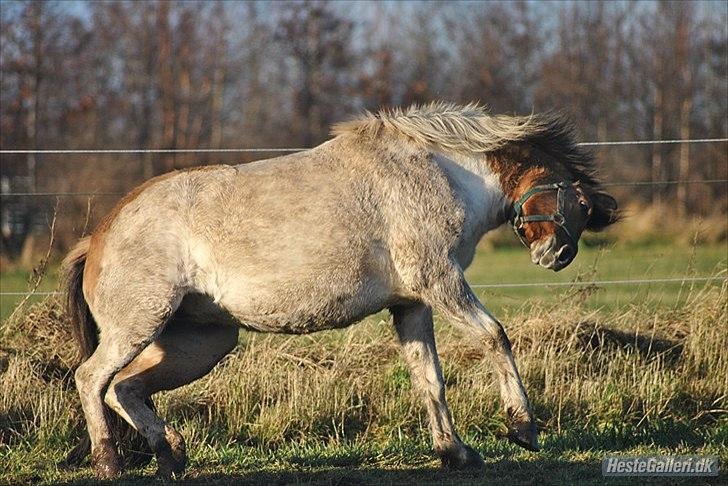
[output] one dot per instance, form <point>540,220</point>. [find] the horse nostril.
<point>565,254</point>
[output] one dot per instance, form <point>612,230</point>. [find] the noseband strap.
<point>519,219</point>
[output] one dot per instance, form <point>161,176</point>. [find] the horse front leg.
<point>417,339</point>
<point>452,296</point>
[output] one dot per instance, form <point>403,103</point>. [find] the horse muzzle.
<point>549,253</point>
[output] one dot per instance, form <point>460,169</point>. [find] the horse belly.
<point>299,275</point>
<point>294,309</point>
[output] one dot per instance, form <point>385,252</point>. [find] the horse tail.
<point>83,326</point>
<point>85,333</point>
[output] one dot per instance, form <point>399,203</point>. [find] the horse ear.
<point>604,213</point>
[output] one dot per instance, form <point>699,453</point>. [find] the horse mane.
<point>468,129</point>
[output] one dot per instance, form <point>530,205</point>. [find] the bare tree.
<point>318,41</point>
<point>164,74</point>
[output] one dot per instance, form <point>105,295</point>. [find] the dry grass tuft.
<point>660,223</point>
<point>43,333</point>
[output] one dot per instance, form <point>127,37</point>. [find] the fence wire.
<point>681,280</point>
<point>652,142</point>
<point>299,149</point>
<point>592,283</point>
<point>154,151</point>
<point>606,184</point>
<point>596,283</point>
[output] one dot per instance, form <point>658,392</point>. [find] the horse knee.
<point>86,381</point>
<point>497,337</point>
<point>81,374</point>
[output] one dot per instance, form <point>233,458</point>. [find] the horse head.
<point>550,216</point>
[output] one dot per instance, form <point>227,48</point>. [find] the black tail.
<point>85,333</point>
<point>83,325</point>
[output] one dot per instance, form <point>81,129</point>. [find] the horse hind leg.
<point>184,352</point>
<point>134,449</point>
<point>129,319</point>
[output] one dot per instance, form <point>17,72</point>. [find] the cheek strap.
<point>519,219</point>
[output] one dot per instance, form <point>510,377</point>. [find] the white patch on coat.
<point>480,190</point>
<point>204,273</point>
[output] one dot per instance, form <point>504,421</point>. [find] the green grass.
<point>399,462</point>
<point>513,265</point>
<point>614,370</point>
<point>18,280</point>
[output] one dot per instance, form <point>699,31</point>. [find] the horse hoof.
<point>168,466</point>
<point>171,455</point>
<point>178,450</point>
<point>524,435</point>
<point>105,462</point>
<point>461,457</point>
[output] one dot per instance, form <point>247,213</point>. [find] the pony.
<point>384,215</point>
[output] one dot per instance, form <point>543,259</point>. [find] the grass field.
<point>512,265</point>
<point>610,370</point>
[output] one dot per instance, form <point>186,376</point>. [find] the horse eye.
<point>584,205</point>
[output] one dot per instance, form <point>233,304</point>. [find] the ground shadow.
<point>596,336</point>
<point>573,457</point>
<point>543,471</point>
<point>663,435</point>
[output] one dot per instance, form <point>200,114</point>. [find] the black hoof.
<point>171,455</point>
<point>524,435</point>
<point>462,457</point>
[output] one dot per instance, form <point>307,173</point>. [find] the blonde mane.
<point>467,128</point>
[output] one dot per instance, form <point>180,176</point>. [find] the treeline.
<point>175,75</point>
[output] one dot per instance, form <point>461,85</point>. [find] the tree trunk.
<point>218,82</point>
<point>684,168</point>
<point>34,81</point>
<point>657,148</point>
<point>166,82</point>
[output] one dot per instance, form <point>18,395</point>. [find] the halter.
<point>557,217</point>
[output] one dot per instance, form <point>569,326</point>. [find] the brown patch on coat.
<point>510,164</point>
<point>539,203</point>
<point>521,167</point>
<point>93,266</point>
<point>95,253</point>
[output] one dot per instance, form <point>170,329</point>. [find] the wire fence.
<point>299,149</point>
<point>606,184</point>
<point>652,142</point>
<point>594,283</point>
<point>153,151</point>
<point>597,283</point>
<point>663,183</point>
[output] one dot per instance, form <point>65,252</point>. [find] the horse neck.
<point>480,190</point>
